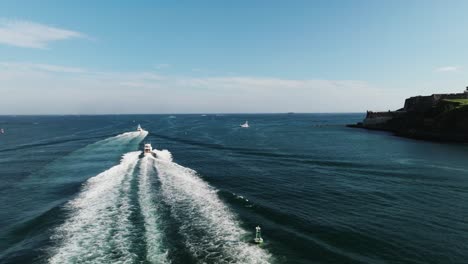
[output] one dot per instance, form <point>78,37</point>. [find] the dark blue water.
<point>75,189</point>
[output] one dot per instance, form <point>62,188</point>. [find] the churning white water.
<point>149,209</point>
<point>98,229</point>
<point>210,230</point>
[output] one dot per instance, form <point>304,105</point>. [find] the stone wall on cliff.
<point>378,118</point>
<point>425,103</point>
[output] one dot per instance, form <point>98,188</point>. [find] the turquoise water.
<point>75,189</point>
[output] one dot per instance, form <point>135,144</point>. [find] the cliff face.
<point>441,120</point>
<point>425,103</point>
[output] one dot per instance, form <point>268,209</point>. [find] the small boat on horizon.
<point>245,125</point>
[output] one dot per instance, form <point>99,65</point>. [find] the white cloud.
<point>198,70</point>
<point>43,88</point>
<point>162,66</point>
<point>40,67</point>
<point>27,34</point>
<point>448,69</point>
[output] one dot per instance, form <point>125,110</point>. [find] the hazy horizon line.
<point>181,113</point>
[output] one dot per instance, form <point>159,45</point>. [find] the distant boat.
<point>245,125</point>
<point>2,131</point>
<point>139,128</point>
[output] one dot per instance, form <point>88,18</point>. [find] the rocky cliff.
<point>439,120</point>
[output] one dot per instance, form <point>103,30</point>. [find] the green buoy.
<point>258,236</point>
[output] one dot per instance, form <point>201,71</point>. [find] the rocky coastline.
<point>438,117</point>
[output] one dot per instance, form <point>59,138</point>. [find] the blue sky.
<point>95,57</point>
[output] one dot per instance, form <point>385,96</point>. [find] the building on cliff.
<point>425,103</point>
<point>375,119</point>
<point>416,104</point>
<point>440,117</point>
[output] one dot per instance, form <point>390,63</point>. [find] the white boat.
<point>148,150</point>
<point>245,125</point>
<point>139,128</point>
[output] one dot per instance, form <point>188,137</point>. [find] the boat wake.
<point>122,214</point>
<point>163,154</point>
<point>149,209</point>
<point>211,232</point>
<point>98,229</point>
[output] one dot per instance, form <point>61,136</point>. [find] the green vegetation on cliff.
<point>458,102</point>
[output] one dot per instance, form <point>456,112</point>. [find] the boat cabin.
<point>148,149</point>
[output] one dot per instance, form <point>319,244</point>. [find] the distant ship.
<point>139,128</point>
<point>245,125</point>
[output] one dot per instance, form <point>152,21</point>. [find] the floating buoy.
<point>258,236</point>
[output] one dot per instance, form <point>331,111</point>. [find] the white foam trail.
<point>102,150</point>
<point>149,210</point>
<point>99,228</point>
<point>124,137</point>
<point>163,154</point>
<point>210,230</point>
<point>142,134</point>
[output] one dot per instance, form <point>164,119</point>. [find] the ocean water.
<point>76,189</point>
